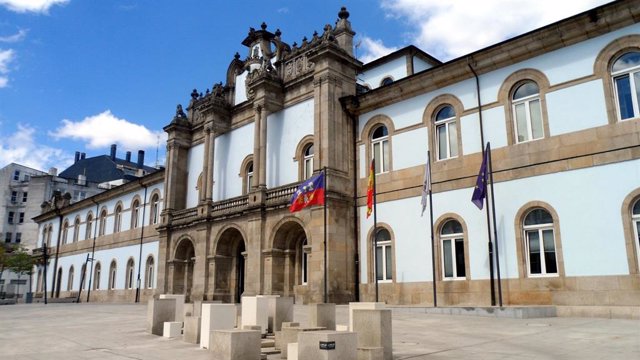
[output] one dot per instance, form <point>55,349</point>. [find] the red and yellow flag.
<point>370,189</point>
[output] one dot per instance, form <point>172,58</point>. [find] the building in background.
<point>559,106</point>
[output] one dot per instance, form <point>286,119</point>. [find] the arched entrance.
<point>230,266</point>
<point>183,261</point>
<point>290,254</point>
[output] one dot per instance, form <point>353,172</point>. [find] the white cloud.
<point>448,29</point>
<point>35,6</point>
<point>373,49</point>
<point>101,130</point>
<point>6,56</point>
<point>21,147</point>
<point>19,36</point>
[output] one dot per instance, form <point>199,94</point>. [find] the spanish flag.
<point>310,192</point>
<point>370,188</point>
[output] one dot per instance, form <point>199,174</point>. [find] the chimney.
<point>140,159</point>
<point>53,171</point>
<point>113,151</point>
<point>128,156</point>
<point>75,160</point>
<point>83,156</point>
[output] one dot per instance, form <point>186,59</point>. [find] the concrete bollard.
<point>172,329</point>
<point>255,311</point>
<point>179,305</point>
<point>373,328</point>
<point>322,315</point>
<point>370,353</point>
<point>191,329</point>
<point>159,311</point>
<point>235,344</point>
<point>327,345</point>
<point>363,305</point>
<point>278,334</point>
<point>292,351</point>
<point>216,317</point>
<point>289,335</point>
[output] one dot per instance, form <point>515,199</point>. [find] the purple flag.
<point>480,191</point>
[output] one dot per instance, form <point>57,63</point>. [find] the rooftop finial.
<point>263,26</point>
<point>343,14</point>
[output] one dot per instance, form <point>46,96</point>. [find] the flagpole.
<point>375,228</point>
<point>495,231</point>
<point>433,247</point>
<point>490,244</point>
<point>324,171</point>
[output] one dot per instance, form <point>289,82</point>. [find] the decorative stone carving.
<point>297,67</point>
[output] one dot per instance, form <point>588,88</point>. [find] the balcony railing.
<point>229,206</point>
<point>280,195</point>
<point>180,215</point>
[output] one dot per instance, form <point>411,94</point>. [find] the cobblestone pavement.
<point>117,331</point>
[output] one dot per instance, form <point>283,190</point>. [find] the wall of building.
<point>395,68</point>
<point>231,149</point>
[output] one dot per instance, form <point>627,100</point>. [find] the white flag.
<point>426,185</point>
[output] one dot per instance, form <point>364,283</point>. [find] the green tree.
<point>21,263</point>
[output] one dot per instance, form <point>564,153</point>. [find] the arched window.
<point>70,279</point>
<point>304,273</point>
<point>117,218</point>
<point>626,79</point>
<point>76,229</point>
<point>383,256</point>
<point>307,162</point>
<point>149,273</point>
<point>44,235</point>
<point>380,148</point>
<point>96,277</point>
<point>103,222</point>
<point>49,232</point>
<point>387,80</point>
<point>446,133</point>
<point>248,177</point>
<point>540,243</point>
<point>65,231</point>
<point>39,281</point>
<point>129,274</point>
<point>89,227</point>
<point>527,112</point>
<point>155,209</point>
<point>83,277</point>
<point>635,218</point>
<point>112,275</point>
<point>452,245</point>
<point>135,212</point>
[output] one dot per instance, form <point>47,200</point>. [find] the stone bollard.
<point>322,315</point>
<point>327,345</point>
<point>179,305</point>
<point>172,329</point>
<point>290,335</point>
<point>235,344</point>
<point>191,329</point>
<point>373,328</point>
<point>363,305</point>
<point>278,334</point>
<point>216,317</point>
<point>370,353</point>
<point>255,311</point>
<point>158,312</point>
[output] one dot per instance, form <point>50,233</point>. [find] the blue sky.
<point>79,75</point>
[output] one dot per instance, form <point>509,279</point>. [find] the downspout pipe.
<point>55,260</point>
<point>93,246</point>
<point>144,208</point>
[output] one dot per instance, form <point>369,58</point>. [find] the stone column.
<point>211,136</point>
<point>262,183</point>
<point>256,143</point>
<point>205,164</point>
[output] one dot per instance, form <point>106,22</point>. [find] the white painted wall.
<point>240,89</point>
<point>410,149</point>
<point>420,65</point>
<point>195,161</point>
<point>396,68</point>
<point>230,150</point>
<point>591,229</point>
<point>569,112</point>
<point>285,130</point>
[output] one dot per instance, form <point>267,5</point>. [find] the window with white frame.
<point>25,196</point>
<point>11,217</point>
<point>135,212</point>
<point>307,167</point>
<point>18,237</point>
<point>65,231</point>
<point>380,148</point>
<point>76,229</point>
<point>89,227</point>
<point>527,112</point>
<point>540,243</point>
<point>112,275</point>
<point>248,178</point>
<point>96,277</point>
<point>384,256</point>
<point>626,79</point>
<point>452,241</point>
<point>16,175</point>
<point>14,197</point>
<point>102,226</point>
<point>155,209</point>
<point>446,133</point>
<point>117,219</point>
<point>129,279</point>
<point>21,218</point>
<point>70,280</point>
<point>149,274</point>
<point>635,218</point>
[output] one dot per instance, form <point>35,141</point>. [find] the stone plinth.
<point>373,328</point>
<point>197,306</point>
<point>363,305</point>
<point>280,310</point>
<point>235,344</point>
<point>216,317</point>
<point>179,305</point>
<point>344,345</point>
<point>289,335</point>
<point>158,312</point>
<point>292,351</point>
<point>278,334</point>
<point>255,311</point>
<point>191,329</point>
<point>172,329</point>
<point>370,353</point>
<point>322,315</point>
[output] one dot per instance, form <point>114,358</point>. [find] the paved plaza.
<point>117,331</point>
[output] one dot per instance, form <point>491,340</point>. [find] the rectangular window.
<point>25,195</point>
<point>625,102</point>
<point>14,197</point>
<point>79,195</point>
<point>26,177</point>
<point>21,218</point>
<point>535,264</point>
<point>11,216</point>
<point>384,262</point>
<point>16,175</point>
<point>18,237</point>
<point>7,237</point>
